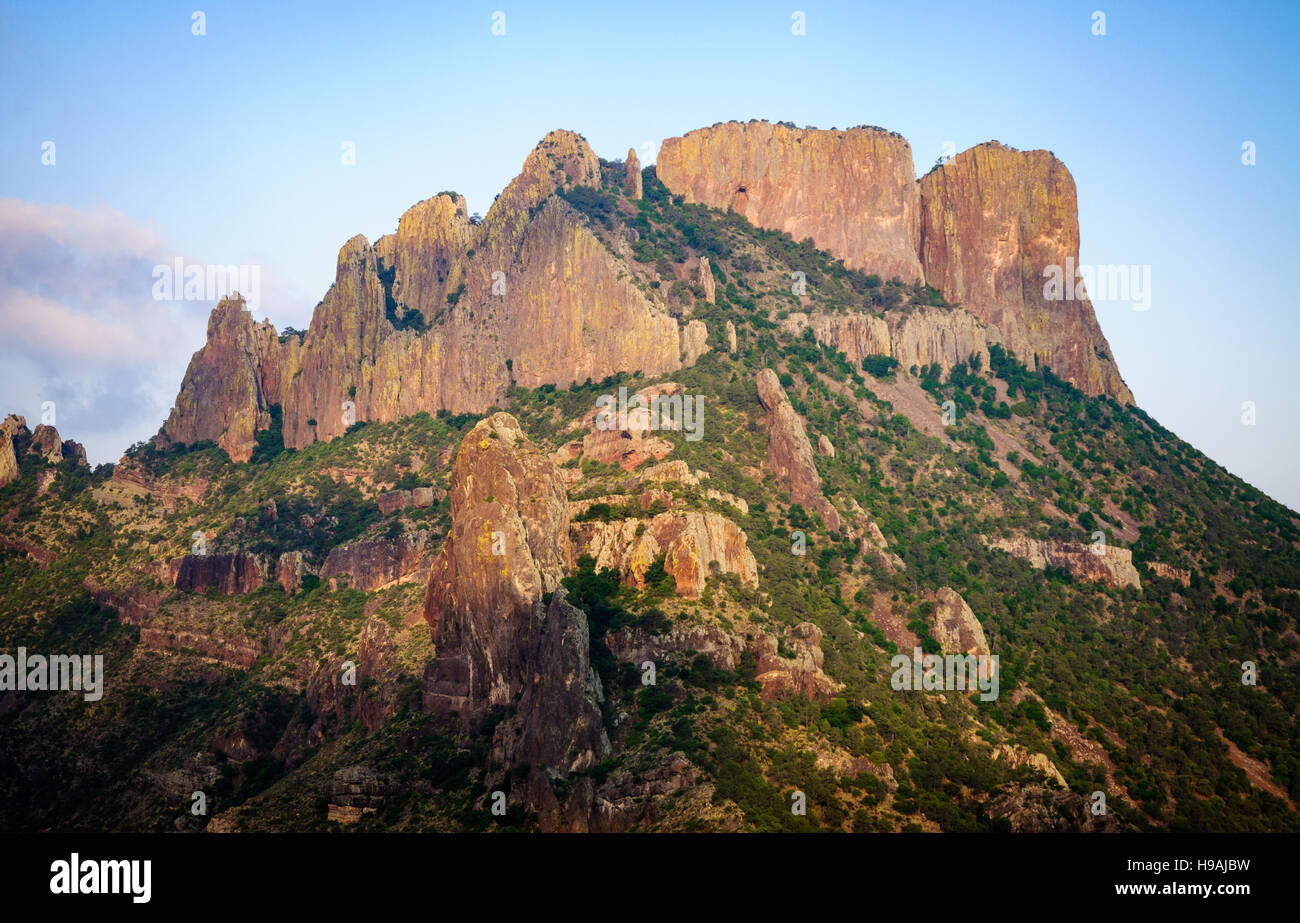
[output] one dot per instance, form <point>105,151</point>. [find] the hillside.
<point>371,575</point>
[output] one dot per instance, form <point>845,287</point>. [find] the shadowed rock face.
<point>853,192</point>
<point>508,544</point>
<point>228,573</point>
<point>992,221</point>
<point>789,453</point>
<point>559,724</point>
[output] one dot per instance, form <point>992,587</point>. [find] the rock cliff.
<point>853,192</point>
<point>1114,566</point>
<point>993,220</point>
<point>441,315</point>
<point>509,543</point>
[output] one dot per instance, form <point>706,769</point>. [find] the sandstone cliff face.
<point>790,454</point>
<point>853,192</point>
<point>992,221</point>
<point>1114,567</point>
<point>918,338</point>
<point>694,546</point>
<point>231,382</point>
<point>509,543</point>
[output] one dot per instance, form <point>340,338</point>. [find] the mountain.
<point>630,507</point>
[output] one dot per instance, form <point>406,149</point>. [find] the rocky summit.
<point>765,488</point>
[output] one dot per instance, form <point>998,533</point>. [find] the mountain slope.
<point>383,623</point>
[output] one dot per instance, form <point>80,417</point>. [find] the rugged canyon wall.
<point>853,192</point>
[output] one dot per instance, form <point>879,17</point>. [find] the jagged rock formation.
<point>632,174</point>
<point>1114,566</point>
<point>231,382</point>
<point>732,344</point>
<point>992,221</point>
<point>853,192</point>
<point>954,625</point>
<point>789,454</point>
<point>509,543</point>
<point>1035,809</point>
<point>918,338</point>
<point>530,296</point>
<point>694,544</point>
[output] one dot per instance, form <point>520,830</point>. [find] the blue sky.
<point>225,148</point>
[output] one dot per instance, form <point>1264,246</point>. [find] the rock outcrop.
<point>797,670</point>
<point>12,426</point>
<point>232,382</point>
<point>853,192</point>
<point>954,625</point>
<point>694,544</point>
<point>46,444</point>
<point>993,220</point>
<point>372,565</point>
<point>1169,572</point>
<point>441,315</point>
<point>558,725</point>
<point>704,277</point>
<point>228,574</point>
<point>509,543</point>
<point>632,174</point>
<point>789,453</point>
<point>917,338</point>
<point>289,571</point>
<point>1114,566</point>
